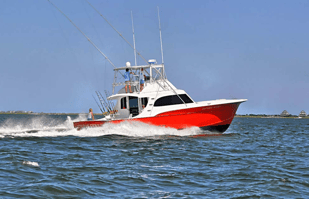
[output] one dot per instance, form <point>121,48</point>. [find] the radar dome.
<point>152,61</point>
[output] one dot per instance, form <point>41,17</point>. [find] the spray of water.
<point>47,127</point>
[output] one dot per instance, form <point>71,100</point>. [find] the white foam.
<point>38,128</point>
<point>12,127</point>
<point>35,164</point>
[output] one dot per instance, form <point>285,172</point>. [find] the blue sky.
<point>257,50</point>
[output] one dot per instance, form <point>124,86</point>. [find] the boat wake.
<point>47,127</point>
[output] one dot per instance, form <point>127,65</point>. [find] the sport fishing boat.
<point>160,103</point>
<point>156,102</point>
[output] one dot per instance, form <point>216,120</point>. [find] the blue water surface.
<point>44,157</point>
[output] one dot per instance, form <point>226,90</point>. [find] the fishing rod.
<point>98,104</point>
<point>109,102</point>
<point>110,95</point>
<point>113,105</point>
<point>102,102</point>
<point>106,104</point>
<point>85,36</point>
<point>117,32</point>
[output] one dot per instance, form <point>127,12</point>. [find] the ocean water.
<point>45,157</point>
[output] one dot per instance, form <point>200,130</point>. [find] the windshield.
<point>133,102</point>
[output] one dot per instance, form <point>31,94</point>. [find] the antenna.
<point>133,39</point>
<point>161,42</point>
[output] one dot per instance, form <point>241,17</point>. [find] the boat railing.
<point>132,83</point>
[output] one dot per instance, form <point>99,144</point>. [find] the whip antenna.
<point>133,39</point>
<point>160,36</point>
<point>161,42</point>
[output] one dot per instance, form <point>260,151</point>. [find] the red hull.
<point>214,118</point>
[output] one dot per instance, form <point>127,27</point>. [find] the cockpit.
<point>129,106</point>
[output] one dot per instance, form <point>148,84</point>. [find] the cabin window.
<point>144,101</point>
<point>123,103</point>
<point>133,104</point>
<point>173,100</point>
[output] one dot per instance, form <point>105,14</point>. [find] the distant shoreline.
<point>46,113</point>
<point>240,116</point>
<point>270,116</point>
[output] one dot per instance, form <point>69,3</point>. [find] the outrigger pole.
<point>117,31</point>
<point>84,35</point>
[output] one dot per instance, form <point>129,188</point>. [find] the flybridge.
<point>153,73</point>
